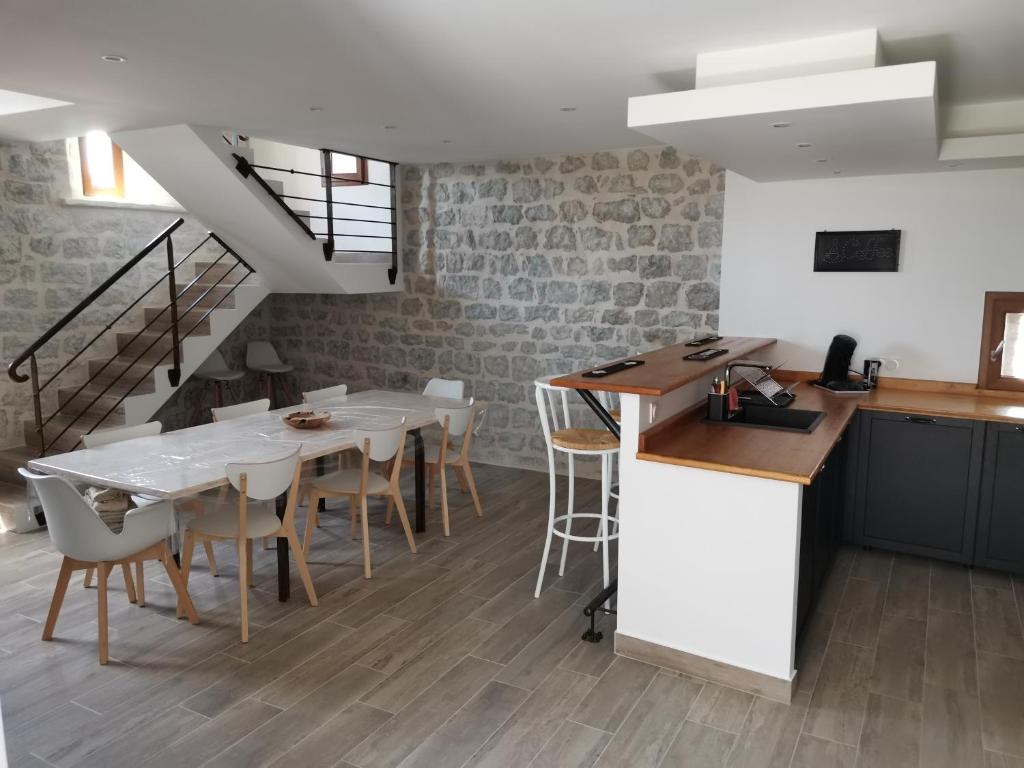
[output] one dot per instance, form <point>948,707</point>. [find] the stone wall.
<point>518,269</point>
<point>51,256</point>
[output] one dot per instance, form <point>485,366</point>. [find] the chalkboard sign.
<point>867,251</point>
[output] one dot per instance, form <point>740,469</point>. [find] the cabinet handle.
<point>920,420</point>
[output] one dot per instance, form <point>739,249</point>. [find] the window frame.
<point>358,178</point>
<point>998,304</point>
<point>117,159</point>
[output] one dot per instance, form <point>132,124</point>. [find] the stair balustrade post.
<point>37,405</point>
<point>329,200</point>
<point>174,374</point>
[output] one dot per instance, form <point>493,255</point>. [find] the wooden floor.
<point>445,659</point>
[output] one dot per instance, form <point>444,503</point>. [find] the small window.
<point>346,170</point>
<point>1002,342</point>
<point>102,166</point>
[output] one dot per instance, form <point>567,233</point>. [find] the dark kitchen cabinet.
<point>821,515</point>
<point>1000,539</point>
<point>918,484</point>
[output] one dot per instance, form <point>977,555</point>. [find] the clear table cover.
<point>187,461</point>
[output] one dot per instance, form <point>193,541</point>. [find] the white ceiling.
<point>491,81</point>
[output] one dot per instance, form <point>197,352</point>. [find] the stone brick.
<point>654,266</point>
<point>492,189</point>
<point>604,161</point>
<point>525,239</point>
<point>692,167</point>
<point>662,294</point>
<point>542,212</point>
<point>526,190</point>
<point>655,207</point>
<point>543,164</point>
<point>709,234</point>
<point>690,266</point>
<point>81,247</point>
<point>505,166</point>
<point>560,292</point>
<point>668,158</point>
<point>626,211</point>
<point>596,239</point>
<point>640,235</point>
<point>586,185</point>
<point>645,318</point>
<point>506,214</point>
<point>479,311</point>
<point>675,237</point>
<point>560,238</point>
<point>637,160</point>
<point>571,163</point>
<point>521,289</point>
<point>627,294</point>
<point>665,183</point>
<point>572,210</point>
<point>538,265</point>
<point>460,286</point>
<point>702,296</point>
<point>622,264</point>
<point>24,192</point>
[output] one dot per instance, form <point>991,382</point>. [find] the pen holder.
<point>718,409</point>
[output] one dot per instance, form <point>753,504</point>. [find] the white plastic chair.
<point>262,358</point>
<point>327,393</point>
<point>451,388</point>
<point>455,422</point>
<point>240,410</point>
<point>380,445</point>
<point>260,481</point>
<point>214,369</point>
<point>561,436</point>
<point>86,542</point>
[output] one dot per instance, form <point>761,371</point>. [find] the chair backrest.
<point>75,530</point>
<point>327,393</point>
<point>264,479</point>
<point>384,443</point>
<point>215,363</point>
<point>260,353</point>
<point>118,434</point>
<point>459,419</point>
<point>553,407</point>
<point>241,409</point>
<point>444,388</point>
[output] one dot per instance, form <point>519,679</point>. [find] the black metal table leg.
<point>421,481</point>
<point>284,585</point>
<point>595,606</point>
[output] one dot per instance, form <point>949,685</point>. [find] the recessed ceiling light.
<point>803,145</point>
<point>567,109</point>
<point>316,109</point>
<point>113,58</point>
<point>781,125</point>
<point>390,127</point>
<point>952,165</point>
<point>446,141</point>
<point>821,160</point>
<point>836,173</point>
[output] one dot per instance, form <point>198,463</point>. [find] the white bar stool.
<point>560,435</point>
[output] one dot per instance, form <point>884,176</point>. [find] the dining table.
<point>185,462</point>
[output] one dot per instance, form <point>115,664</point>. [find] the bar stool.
<point>215,370</point>
<point>262,358</point>
<point>560,435</point>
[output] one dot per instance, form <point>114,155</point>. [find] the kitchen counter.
<point>664,370</point>
<point>795,456</point>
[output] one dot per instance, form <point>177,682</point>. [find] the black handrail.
<point>12,369</point>
<point>246,168</point>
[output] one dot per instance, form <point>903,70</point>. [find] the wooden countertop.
<point>797,457</point>
<point>664,370</point>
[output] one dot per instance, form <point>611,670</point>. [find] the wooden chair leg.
<point>129,582</point>
<point>354,514</point>
<point>63,578</point>
<point>444,499</point>
<point>405,523</point>
<point>87,579</point>
<point>210,559</point>
<point>140,583</point>
<point>367,570</point>
<point>188,544</point>
<point>248,557</point>
<point>472,489</point>
<point>102,573</point>
<point>243,582</point>
<point>300,564</point>
<point>430,486</point>
<point>388,510</point>
<point>312,521</point>
<point>178,582</point>
<point>461,477</point>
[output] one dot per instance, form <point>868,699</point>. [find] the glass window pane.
<point>343,163</point>
<point>1013,346</point>
<point>99,157</point>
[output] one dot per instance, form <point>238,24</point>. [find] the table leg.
<point>284,586</point>
<point>421,477</point>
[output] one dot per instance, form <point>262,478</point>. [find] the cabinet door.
<point>1001,513</point>
<point>919,483</point>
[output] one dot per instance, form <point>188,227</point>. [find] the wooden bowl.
<point>306,419</point>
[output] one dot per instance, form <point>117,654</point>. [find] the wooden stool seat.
<point>582,439</point>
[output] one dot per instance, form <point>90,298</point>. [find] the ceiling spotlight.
<point>390,127</point>
<point>446,141</point>
<point>781,125</point>
<point>803,145</point>
<point>836,173</point>
<point>316,109</point>
<point>567,109</point>
<point>821,160</point>
<point>113,58</point>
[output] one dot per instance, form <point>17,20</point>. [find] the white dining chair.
<point>261,357</point>
<point>379,445</point>
<point>86,542</point>
<point>261,481</point>
<point>451,388</point>
<point>327,393</point>
<point>240,410</point>
<point>561,436</point>
<point>455,423</point>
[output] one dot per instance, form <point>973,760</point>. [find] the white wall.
<point>963,234</point>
